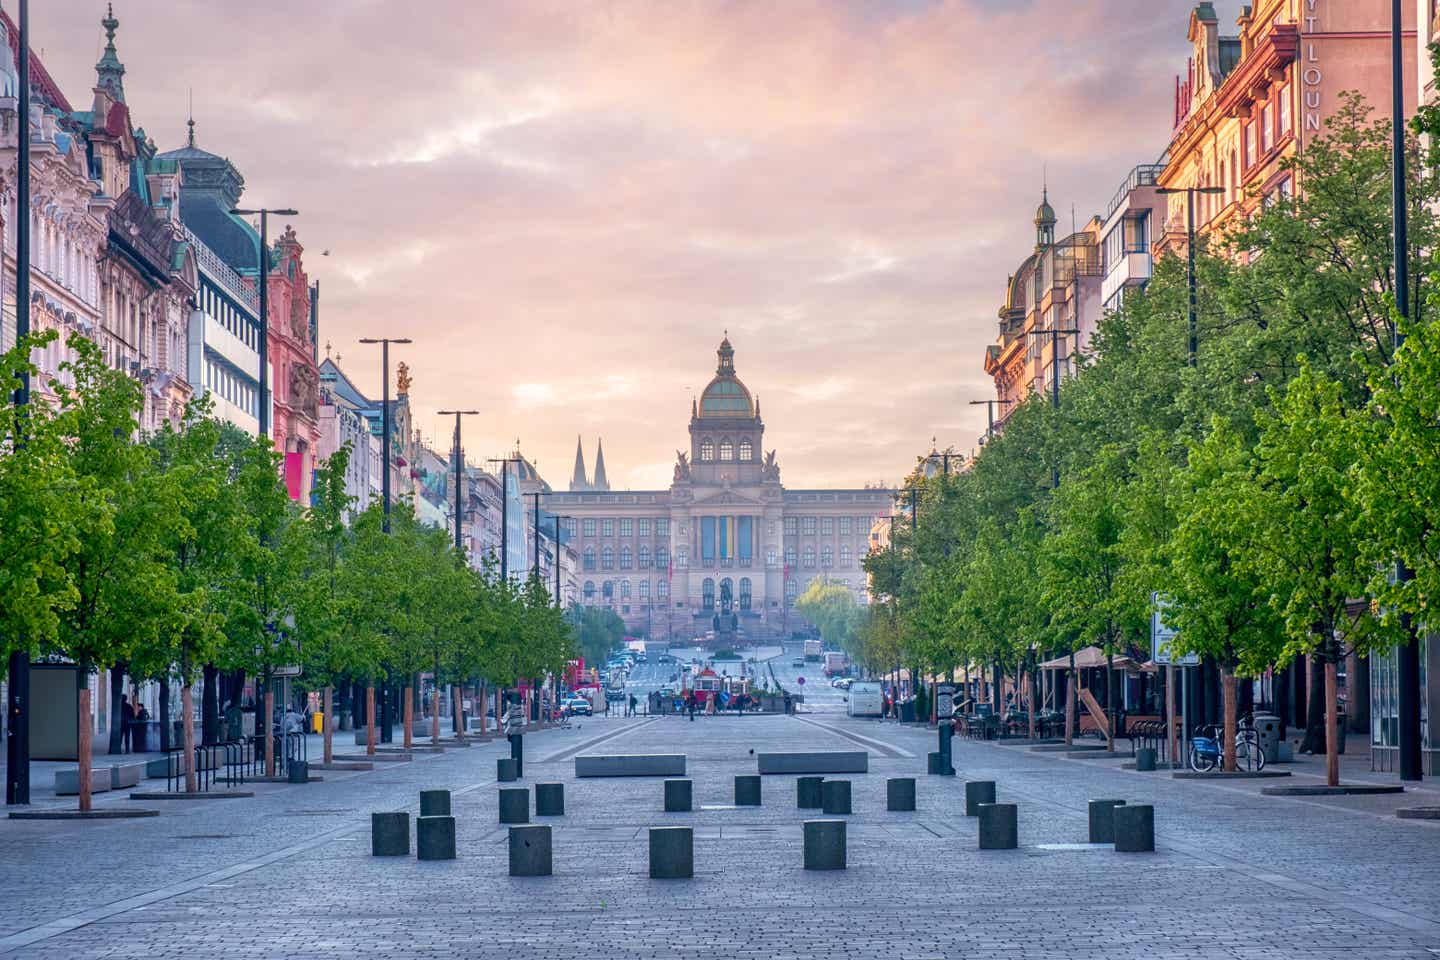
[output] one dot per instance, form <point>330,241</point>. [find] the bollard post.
<point>672,853</point>
<point>505,769</point>
<point>435,838</point>
<point>998,828</point>
<point>530,851</point>
<point>1145,759</point>
<point>978,792</point>
<point>747,790</point>
<point>390,834</point>
<point>900,794</point>
<point>515,805</point>
<point>1135,828</point>
<point>517,753</point>
<point>679,796</point>
<point>947,735</point>
<point>835,796</point>
<point>1102,820</point>
<point>807,793</point>
<point>824,844</point>
<point>434,803</point>
<point>549,799</point>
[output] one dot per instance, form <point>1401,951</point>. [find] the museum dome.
<point>726,396</point>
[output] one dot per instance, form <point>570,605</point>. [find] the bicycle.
<point>1206,747</point>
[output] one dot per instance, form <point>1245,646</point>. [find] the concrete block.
<point>679,796</point>
<point>1102,820</point>
<point>672,852</point>
<point>434,803</point>
<point>515,805</point>
<point>1135,828</point>
<point>830,761</point>
<point>435,837</point>
<point>67,782</point>
<point>298,771</point>
<point>517,752</point>
<point>976,793</point>
<point>549,799</point>
<point>807,793</point>
<point>835,796</point>
<point>998,827</point>
<point>900,793</point>
<point>169,765</point>
<point>505,770</point>
<point>633,765</point>
<point>824,844</point>
<point>747,790</point>
<point>126,775</point>
<point>530,851</point>
<point>934,763</point>
<point>390,834</point>
<point>1145,758</point>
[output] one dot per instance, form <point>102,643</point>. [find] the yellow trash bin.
<point>317,720</point>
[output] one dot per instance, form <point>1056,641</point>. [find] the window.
<point>662,558</point>
<point>624,589</point>
<point>792,526</point>
<point>844,554</point>
<point>792,590</point>
<point>607,528</point>
<point>844,526</point>
<point>1284,104</point>
<point>707,595</point>
<point>745,593</point>
<point>662,589</point>
<point>644,526</point>
<point>771,557</point>
<point>807,526</point>
<point>707,451</point>
<point>589,558</point>
<point>626,558</point>
<point>1249,145</point>
<point>790,557</point>
<point>747,452</point>
<point>627,527</point>
<point>810,556</point>
<point>644,589</point>
<point>662,528</point>
<point>827,556</point>
<point>644,556</point>
<point>682,558</point>
<point>607,591</point>
<point>589,591</point>
<point>607,558</point>
<point>827,526</point>
<point>1267,128</point>
<point>727,450</point>
<point>570,527</point>
<point>589,526</point>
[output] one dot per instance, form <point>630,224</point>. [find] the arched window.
<point>589,558</point>
<point>644,589</point>
<point>707,451</point>
<point>707,595</point>
<point>589,591</point>
<point>827,556</point>
<point>644,556</point>
<point>662,558</point>
<point>727,449</point>
<point>624,589</point>
<point>844,554</point>
<point>626,558</point>
<point>747,452</point>
<point>607,590</point>
<point>790,556</point>
<point>744,593</point>
<point>662,589</point>
<point>607,558</point>
<point>809,556</point>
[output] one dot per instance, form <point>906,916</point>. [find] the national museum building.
<point>722,553</point>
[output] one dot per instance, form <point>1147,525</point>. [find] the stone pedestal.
<point>679,796</point>
<point>530,851</point>
<point>824,844</point>
<point>672,853</point>
<point>1135,828</point>
<point>390,834</point>
<point>900,794</point>
<point>517,752</point>
<point>807,793</point>
<point>435,837</point>
<point>835,796</point>
<point>998,829</point>
<point>747,790</point>
<point>505,770</point>
<point>976,793</point>
<point>434,803</point>
<point>549,799</point>
<point>1102,820</point>
<point>515,805</point>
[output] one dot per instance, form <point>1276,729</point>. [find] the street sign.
<point>1161,636</point>
<point>293,670</point>
<point>801,681</point>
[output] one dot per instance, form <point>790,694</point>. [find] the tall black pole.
<point>385,430</point>
<point>264,266</point>
<point>1190,269</point>
<point>504,521</point>
<point>1408,653</point>
<point>459,493</point>
<point>537,531</point>
<point>17,706</point>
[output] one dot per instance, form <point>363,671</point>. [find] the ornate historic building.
<point>723,552</point>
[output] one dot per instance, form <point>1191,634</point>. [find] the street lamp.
<point>504,512</point>
<point>990,414</point>
<point>1055,333</point>
<point>1190,248</point>
<point>558,553</point>
<point>264,272</point>
<point>537,495</point>
<point>385,415</point>
<point>459,472</point>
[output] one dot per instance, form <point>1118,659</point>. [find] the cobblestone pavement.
<point>288,873</point>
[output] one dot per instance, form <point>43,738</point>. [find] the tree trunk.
<point>1357,686</point>
<point>435,709</point>
<point>370,719</point>
<point>117,719</point>
<point>1227,685</point>
<point>187,728</point>
<point>166,727</point>
<point>327,724</point>
<point>457,704</point>
<point>1110,710</point>
<point>480,704</point>
<point>1170,725</point>
<point>408,713</point>
<point>210,704</point>
<point>1070,703</point>
<point>1314,741</point>
<point>82,746</point>
<point>1332,723</point>
<point>269,733</point>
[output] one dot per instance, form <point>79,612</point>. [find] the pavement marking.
<point>572,750</point>
<point>888,750</point>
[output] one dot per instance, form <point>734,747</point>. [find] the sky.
<point>566,204</point>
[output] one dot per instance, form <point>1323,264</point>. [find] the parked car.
<point>576,706</point>
<point>614,694</point>
<point>798,662</point>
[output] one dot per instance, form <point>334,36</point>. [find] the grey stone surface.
<point>530,851</point>
<point>435,837</point>
<point>825,845</point>
<point>807,793</point>
<point>390,834</point>
<point>900,794</point>
<point>633,765</point>
<point>505,770</point>
<point>835,796</point>
<point>672,853</point>
<point>1135,828</point>
<point>679,796</point>
<point>747,790</point>
<point>549,799</point>
<point>828,761</point>
<point>1102,820</point>
<point>999,826</point>
<point>434,803</point>
<point>976,793</point>
<point>514,805</point>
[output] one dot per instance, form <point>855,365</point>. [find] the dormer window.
<point>707,451</point>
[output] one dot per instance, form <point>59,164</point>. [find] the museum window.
<point>844,526</point>
<point>792,590</point>
<point>771,556</point>
<point>626,558</point>
<point>570,528</point>
<point>844,554</point>
<point>707,595</point>
<point>727,450</point>
<point>607,591</point>
<point>807,526</point>
<point>589,558</point>
<point>792,526</point>
<point>643,557</point>
<point>745,595</point>
<point>662,557</point>
<point>607,528</point>
<point>589,591</point>
<point>682,558</point>
<point>707,451</point>
<point>627,527</point>
<point>589,526</point>
<point>662,528</point>
<point>643,589</point>
<point>607,558</point>
<point>827,556</point>
<point>624,589</point>
<point>747,452</point>
<point>810,557</point>
<point>644,526</point>
<point>827,526</point>
<point>662,589</point>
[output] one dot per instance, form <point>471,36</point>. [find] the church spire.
<point>577,479</point>
<point>601,482</point>
<point>110,72</point>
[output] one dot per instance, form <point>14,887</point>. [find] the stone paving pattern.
<point>288,873</point>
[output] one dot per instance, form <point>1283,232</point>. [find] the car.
<point>614,694</point>
<point>798,662</point>
<point>844,682</point>
<point>576,706</point>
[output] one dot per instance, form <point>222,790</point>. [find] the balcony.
<point>1132,268</point>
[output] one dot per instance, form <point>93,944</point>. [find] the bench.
<point>67,782</point>
<point>835,761</point>
<point>631,765</point>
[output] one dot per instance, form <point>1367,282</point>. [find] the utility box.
<point>1267,728</point>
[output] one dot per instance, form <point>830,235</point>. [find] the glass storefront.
<point>1385,708</point>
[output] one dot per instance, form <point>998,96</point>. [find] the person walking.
<point>633,702</point>
<point>127,723</point>
<point>690,704</point>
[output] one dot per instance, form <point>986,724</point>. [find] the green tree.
<point>830,606</point>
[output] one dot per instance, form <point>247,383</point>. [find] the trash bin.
<point>317,722</point>
<point>907,711</point>
<point>1267,728</point>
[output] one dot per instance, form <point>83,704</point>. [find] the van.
<point>865,699</point>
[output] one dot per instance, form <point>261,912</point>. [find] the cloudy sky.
<point>566,203</point>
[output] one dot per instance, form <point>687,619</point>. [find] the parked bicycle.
<point>1207,746</point>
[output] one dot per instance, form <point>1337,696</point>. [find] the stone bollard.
<point>434,803</point>
<point>900,793</point>
<point>549,799</point>
<point>390,834</point>
<point>517,752</point>
<point>976,793</point>
<point>672,853</point>
<point>1102,820</point>
<point>1135,828</point>
<point>679,796</point>
<point>298,771</point>
<point>530,851</point>
<point>835,796</point>
<point>934,763</point>
<point>435,838</point>
<point>824,844</point>
<point>807,793</point>
<point>747,790</point>
<point>1145,759</point>
<point>515,805</point>
<point>998,829</point>
<point>505,769</point>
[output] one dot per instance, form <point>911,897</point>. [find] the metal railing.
<point>1145,175</point>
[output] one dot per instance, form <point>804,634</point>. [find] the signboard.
<point>800,680</point>
<point>292,670</point>
<point>1161,637</point>
<point>944,700</point>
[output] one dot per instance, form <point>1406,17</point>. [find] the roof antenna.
<point>191,122</point>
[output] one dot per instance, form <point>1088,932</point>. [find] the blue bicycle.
<point>1207,745</point>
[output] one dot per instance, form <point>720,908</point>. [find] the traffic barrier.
<point>831,761</point>
<point>978,792</point>
<point>515,805</point>
<point>435,837</point>
<point>679,796</point>
<point>835,796</point>
<point>824,844</point>
<point>998,827</point>
<point>631,765</point>
<point>807,793</point>
<point>530,851</point>
<point>900,794</point>
<point>1135,828</point>
<point>505,770</point>
<point>672,853</point>
<point>747,790</point>
<point>549,799</point>
<point>434,803</point>
<point>390,834</point>
<point>1102,820</point>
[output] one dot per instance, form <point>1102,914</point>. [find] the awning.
<point>1088,658</point>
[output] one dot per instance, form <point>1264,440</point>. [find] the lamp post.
<point>264,277</point>
<point>990,415</point>
<point>536,531</point>
<point>1190,193</point>
<point>385,416</point>
<point>559,602</point>
<point>1055,334</point>
<point>504,513</point>
<point>459,473</point>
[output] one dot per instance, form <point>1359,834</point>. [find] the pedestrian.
<point>137,729</point>
<point>607,704</point>
<point>690,704</point>
<point>633,702</point>
<point>127,723</point>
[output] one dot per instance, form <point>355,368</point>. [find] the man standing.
<point>632,705</point>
